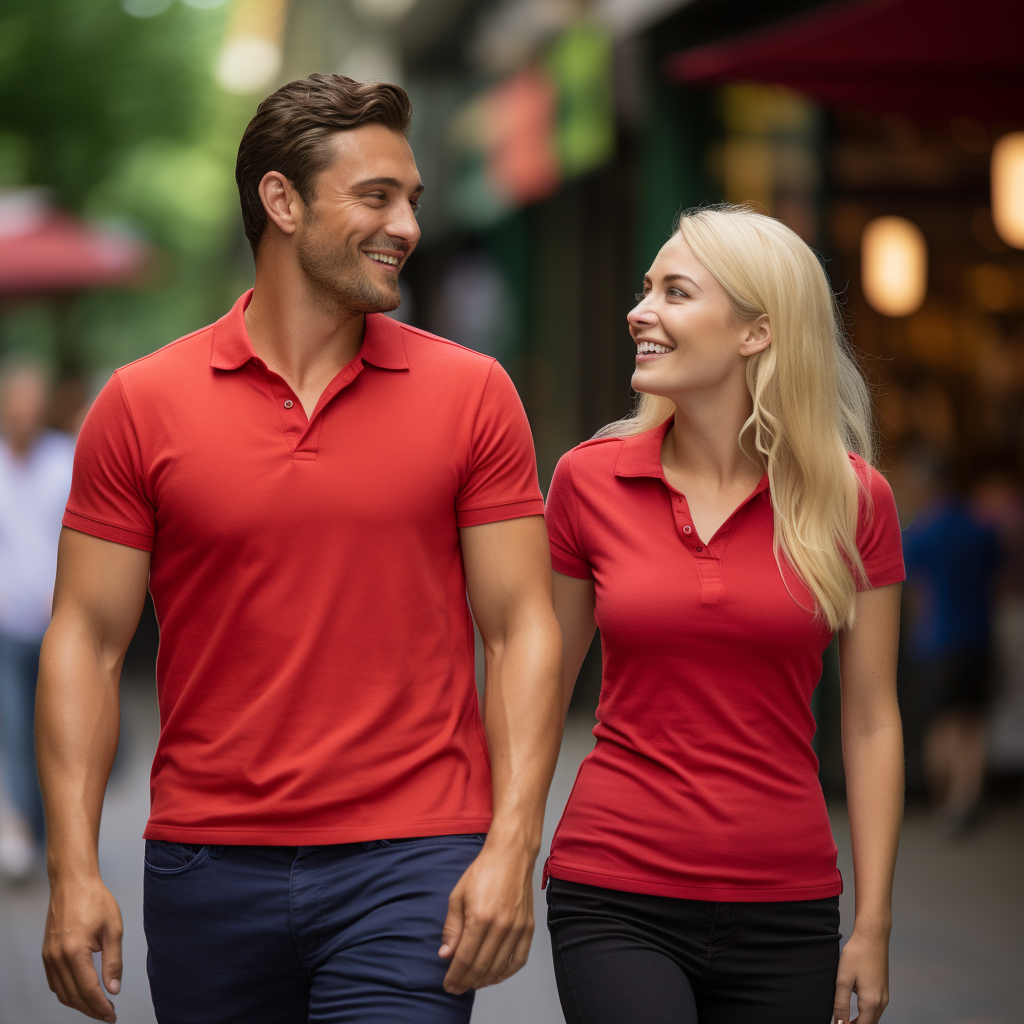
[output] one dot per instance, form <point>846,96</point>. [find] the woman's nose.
<point>641,316</point>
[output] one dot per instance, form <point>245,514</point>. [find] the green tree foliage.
<point>120,118</point>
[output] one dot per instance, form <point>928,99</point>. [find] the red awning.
<point>44,250</point>
<point>923,57</point>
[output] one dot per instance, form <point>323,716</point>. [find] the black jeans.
<point>623,957</point>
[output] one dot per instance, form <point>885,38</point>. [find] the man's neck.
<point>299,333</point>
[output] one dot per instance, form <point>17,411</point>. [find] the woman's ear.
<point>757,338</point>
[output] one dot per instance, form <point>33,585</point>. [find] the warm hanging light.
<point>1008,188</point>
<point>894,265</point>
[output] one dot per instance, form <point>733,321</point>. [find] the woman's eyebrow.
<point>681,277</point>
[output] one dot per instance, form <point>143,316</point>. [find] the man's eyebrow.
<point>389,182</point>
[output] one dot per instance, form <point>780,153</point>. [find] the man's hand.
<point>83,919</point>
<point>489,927</point>
<point>864,969</point>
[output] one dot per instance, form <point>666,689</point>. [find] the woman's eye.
<point>639,297</point>
<point>676,291</point>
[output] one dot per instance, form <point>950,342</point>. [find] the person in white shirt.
<point>35,477</point>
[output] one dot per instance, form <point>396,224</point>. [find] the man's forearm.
<point>522,713</point>
<point>77,726</point>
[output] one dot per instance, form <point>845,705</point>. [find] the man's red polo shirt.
<point>703,783</point>
<point>316,670</point>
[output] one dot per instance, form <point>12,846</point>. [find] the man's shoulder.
<point>183,356</point>
<point>431,348</point>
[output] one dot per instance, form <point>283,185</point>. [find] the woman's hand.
<point>864,969</point>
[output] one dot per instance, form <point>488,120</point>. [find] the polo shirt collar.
<point>640,455</point>
<point>383,341</point>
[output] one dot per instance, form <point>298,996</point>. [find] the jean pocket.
<point>167,858</point>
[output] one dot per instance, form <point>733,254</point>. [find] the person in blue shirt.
<point>952,560</point>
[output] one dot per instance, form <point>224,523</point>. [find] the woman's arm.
<point>873,756</point>
<point>574,607</point>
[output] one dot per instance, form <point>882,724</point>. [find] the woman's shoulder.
<point>874,486</point>
<point>879,539</point>
<point>586,469</point>
<point>596,455</point>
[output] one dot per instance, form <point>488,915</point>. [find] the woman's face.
<point>686,334</point>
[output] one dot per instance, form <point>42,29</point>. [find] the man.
<point>310,488</point>
<point>35,474</point>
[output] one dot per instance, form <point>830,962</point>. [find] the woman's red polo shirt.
<point>316,670</point>
<point>703,783</point>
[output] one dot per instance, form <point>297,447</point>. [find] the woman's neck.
<point>704,440</point>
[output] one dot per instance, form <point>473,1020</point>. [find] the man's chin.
<point>381,304</point>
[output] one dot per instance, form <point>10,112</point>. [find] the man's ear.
<point>757,338</point>
<point>283,205</point>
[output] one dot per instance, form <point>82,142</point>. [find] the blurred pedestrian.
<point>309,488</point>
<point>952,560</point>
<point>35,476</point>
<point>719,537</point>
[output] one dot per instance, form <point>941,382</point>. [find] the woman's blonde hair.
<point>811,404</point>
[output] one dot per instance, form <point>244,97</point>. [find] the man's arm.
<point>490,913</point>
<point>97,602</point>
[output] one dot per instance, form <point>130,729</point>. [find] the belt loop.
<point>216,852</point>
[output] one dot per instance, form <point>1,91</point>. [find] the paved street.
<point>958,941</point>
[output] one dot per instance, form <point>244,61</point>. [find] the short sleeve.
<point>562,521</point>
<point>108,495</point>
<point>879,540</point>
<point>501,482</point>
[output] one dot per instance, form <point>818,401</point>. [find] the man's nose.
<point>403,225</point>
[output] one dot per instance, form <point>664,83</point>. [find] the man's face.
<point>360,226</point>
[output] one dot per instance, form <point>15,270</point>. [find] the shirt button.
<point>687,529</point>
<point>699,548</point>
<point>288,404</point>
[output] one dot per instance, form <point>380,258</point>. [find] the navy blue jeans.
<point>285,935</point>
<point>19,666</point>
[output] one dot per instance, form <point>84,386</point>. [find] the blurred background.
<point>557,140</point>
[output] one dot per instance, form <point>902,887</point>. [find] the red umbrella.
<point>938,57</point>
<point>46,250</point>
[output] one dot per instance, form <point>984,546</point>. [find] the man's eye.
<point>416,205</point>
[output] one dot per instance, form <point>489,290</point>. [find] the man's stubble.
<point>339,275</point>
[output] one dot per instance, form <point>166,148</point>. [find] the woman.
<point>719,537</point>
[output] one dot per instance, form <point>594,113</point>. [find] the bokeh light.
<point>1008,188</point>
<point>894,265</point>
<point>248,63</point>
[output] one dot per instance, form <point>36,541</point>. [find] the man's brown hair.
<point>290,130</point>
